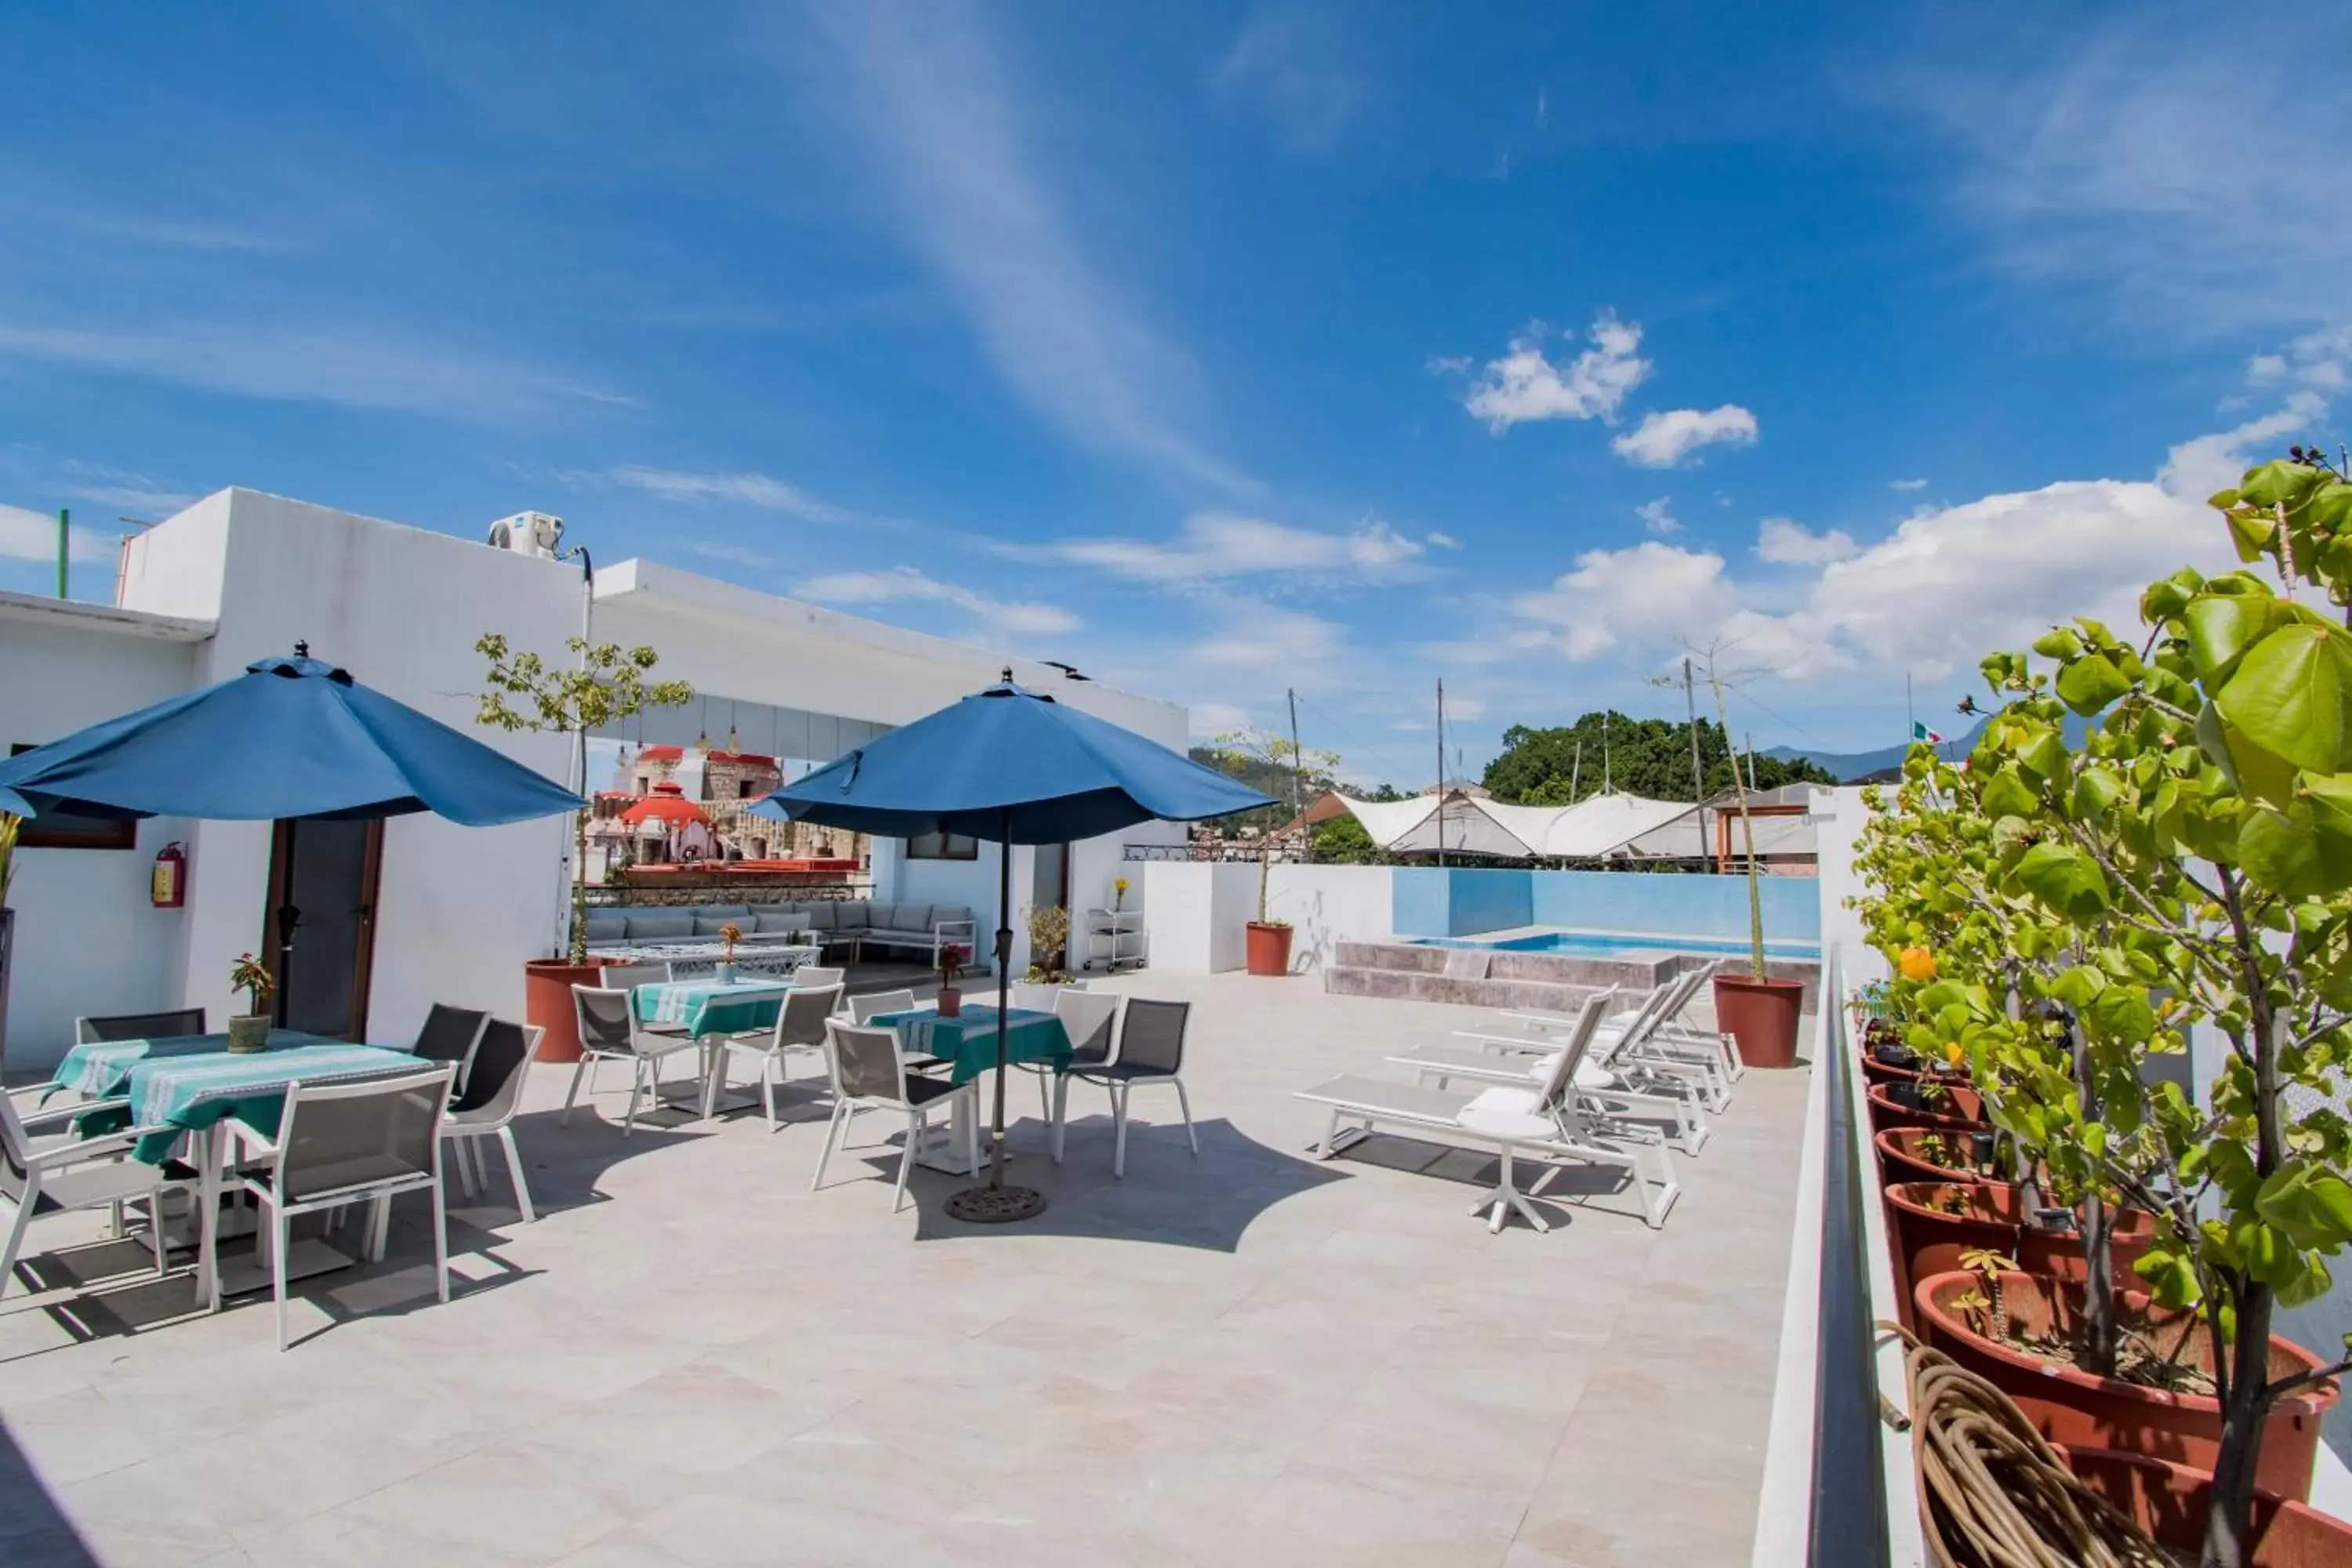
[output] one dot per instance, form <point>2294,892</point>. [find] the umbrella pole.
<point>997,1204</point>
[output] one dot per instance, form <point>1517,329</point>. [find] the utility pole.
<point>1698,776</point>
<point>1910,720</point>
<point>1576,770</point>
<point>1297,758</point>
<point>1441,770</point>
<point>65,533</point>
<point>1608,781</point>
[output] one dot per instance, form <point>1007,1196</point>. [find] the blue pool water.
<point>1603,945</point>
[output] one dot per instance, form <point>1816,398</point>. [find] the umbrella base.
<point>996,1205</point>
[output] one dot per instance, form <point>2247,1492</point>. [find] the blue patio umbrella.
<point>1012,766</point>
<point>291,738</point>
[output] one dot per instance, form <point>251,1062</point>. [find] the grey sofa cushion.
<point>661,926</point>
<point>853,914</point>
<point>915,918</point>
<point>821,917</point>
<point>782,921</point>
<point>711,925</point>
<point>941,913</point>
<point>608,925</point>
<point>720,911</point>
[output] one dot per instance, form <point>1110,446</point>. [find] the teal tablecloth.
<point>969,1042</point>
<point>707,1008</point>
<point>188,1082</point>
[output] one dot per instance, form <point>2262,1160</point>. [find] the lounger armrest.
<point>1521,1041</point>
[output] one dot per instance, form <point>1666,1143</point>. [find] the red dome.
<point>667,804</point>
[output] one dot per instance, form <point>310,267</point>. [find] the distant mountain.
<point>1851,766</point>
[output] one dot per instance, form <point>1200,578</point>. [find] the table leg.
<point>206,1147</point>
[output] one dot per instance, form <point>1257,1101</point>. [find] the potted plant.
<point>1262,755</point>
<point>1756,1008</point>
<point>729,935</point>
<point>950,999</point>
<point>1118,895</point>
<point>2188,863</point>
<point>608,684</point>
<point>249,1031</point>
<point>1049,944</point>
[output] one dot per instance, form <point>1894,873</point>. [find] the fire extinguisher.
<point>170,886</point>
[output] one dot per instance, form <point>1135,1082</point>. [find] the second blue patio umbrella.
<point>291,738</point>
<point>1012,766</point>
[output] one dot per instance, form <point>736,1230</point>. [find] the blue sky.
<point>1217,349</point>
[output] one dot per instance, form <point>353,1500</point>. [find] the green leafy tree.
<point>2187,865</point>
<point>1343,841</point>
<point>1648,757</point>
<point>607,685</point>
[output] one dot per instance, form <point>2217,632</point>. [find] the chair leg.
<point>456,1148</point>
<point>906,1159</point>
<point>378,1223</point>
<point>155,1233</point>
<point>769,1065</point>
<point>832,1131</point>
<point>1119,1130</point>
<point>514,1174</point>
<point>636,1087</point>
<point>1061,1117</point>
<point>1184,1102</point>
<point>578,1072</point>
<point>114,1219</point>
<point>440,1241</point>
<point>971,1144</point>
<point>1044,1099</point>
<point>277,1228</point>
<point>25,1205</point>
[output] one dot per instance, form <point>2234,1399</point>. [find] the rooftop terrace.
<point>1253,1358</point>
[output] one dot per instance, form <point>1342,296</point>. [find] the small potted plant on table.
<point>249,1031</point>
<point>950,999</point>
<point>729,935</point>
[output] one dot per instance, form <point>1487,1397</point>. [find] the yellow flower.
<point>1953,1053</point>
<point>1916,964</point>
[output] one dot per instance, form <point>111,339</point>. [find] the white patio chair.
<point>865,1008</point>
<point>1091,1020</point>
<point>609,1029</point>
<point>72,1173</point>
<point>816,977</point>
<point>170,1023</point>
<point>799,1029</point>
<point>629,976</point>
<point>1151,1051</point>
<point>486,1107</point>
<point>341,1143</point>
<point>870,1072</point>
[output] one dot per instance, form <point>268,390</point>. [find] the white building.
<point>453,913</point>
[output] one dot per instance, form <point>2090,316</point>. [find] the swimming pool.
<point>1602,944</point>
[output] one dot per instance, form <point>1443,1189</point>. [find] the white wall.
<point>86,941</point>
<point>1329,904</point>
<point>1197,914</point>
<point>1840,816</point>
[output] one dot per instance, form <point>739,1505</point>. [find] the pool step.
<point>1537,981</point>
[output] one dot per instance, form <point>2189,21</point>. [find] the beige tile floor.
<point>1252,1359</point>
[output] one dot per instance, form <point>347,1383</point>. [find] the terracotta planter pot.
<point>1269,949</point>
<point>1900,1160</point>
<point>1877,1071</point>
<point>2067,1405</point>
<point>1926,1239</point>
<point>547,985</point>
<point>1963,1113</point>
<point>1761,1015</point>
<point>949,1002</point>
<point>2168,1501</point>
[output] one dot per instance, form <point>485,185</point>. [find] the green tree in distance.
<point>1648,757</point>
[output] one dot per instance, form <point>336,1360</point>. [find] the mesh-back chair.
<point>1089,1017</point>
<point>168,1025</point>
<point>451,1034</point>
<point>1151,1051</point>
<point>816,977</point>
<point>629,976</point>
<point>862,1009</point>
<point>799,1028</point>
<point>609,1031</point>
<point>66,1173</point>
<point>869,1072</point>
<point>487,1108</point>
<point>341,1143</point>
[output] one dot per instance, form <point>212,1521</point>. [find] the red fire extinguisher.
<point>170,888</point>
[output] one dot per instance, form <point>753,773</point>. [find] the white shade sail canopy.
<point>1592,829</point>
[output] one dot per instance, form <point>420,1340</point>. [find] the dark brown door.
<point>321,922</point>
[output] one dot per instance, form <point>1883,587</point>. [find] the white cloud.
<point>1441,541</point>
<point>1221,545</point>
<point>1650,595</point>
<point>903,582</point>
<point>31,536</point>
<point>748,490</point>
<point>1524,385</point>
<point>926,90</point>
<point>1658,516</point>
<point>1207,720</point>
<point>1785,541</point>
<point>1259,637</point>
<point>1292,67</point>
<point>2321,361</point>
<point>1907,484</point>
<point>1662,441</point>
<point>352,367</point>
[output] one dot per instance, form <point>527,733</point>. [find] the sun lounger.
<point>1544,1121</point>
<point>1708,1059</point>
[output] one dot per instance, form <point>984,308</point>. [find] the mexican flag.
<point>1920,733</point>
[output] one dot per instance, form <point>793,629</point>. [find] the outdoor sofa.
<point>856,923</point>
